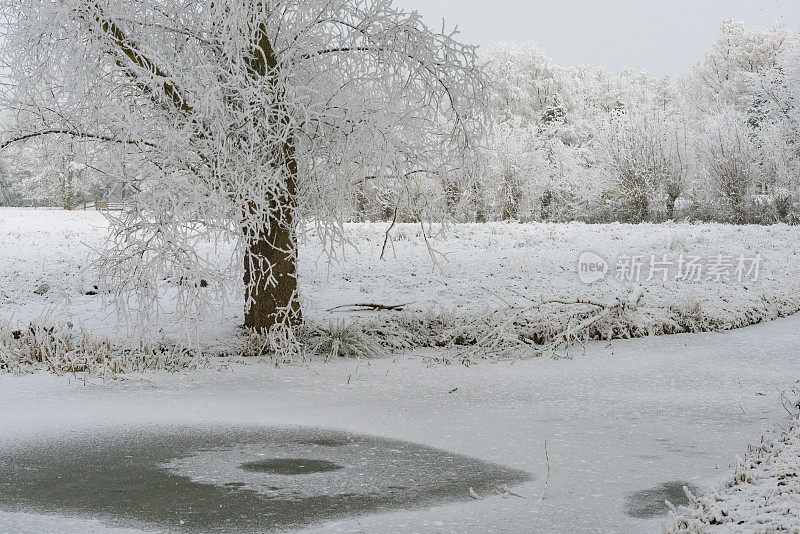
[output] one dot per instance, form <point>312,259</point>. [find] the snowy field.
<point>619,421</point>
<point>475,269</point>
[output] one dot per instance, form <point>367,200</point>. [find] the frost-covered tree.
<point>8,195</point>
<point>774,117</point>
<point>730,161</point>
<point>727,74</point>
<point>525,82</point>
<point>243,120</point>
<point>547,163</point>
<point>647,156</point>
<point>740,100</point>
<point>513,169</point>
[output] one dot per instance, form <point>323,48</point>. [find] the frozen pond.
<point>233,479</point>
<point>627,425</point>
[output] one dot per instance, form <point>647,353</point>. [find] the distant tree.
<point>647,157</point>
<point>8,195</point>
<point>731,162</point>
<point>774,117</point>
<point>525,82</point>
<point>727,74</point>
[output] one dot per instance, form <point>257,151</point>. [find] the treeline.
<point>60,175</point>
<point>720,143</point>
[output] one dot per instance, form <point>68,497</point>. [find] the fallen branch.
<point>532,328</point>
<point>370,306</point>
<point>582,328</point>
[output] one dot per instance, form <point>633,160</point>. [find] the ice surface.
<point>200,478</point>
<point>622,418</point>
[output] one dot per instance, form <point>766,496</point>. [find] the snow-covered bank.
<point>763,496</point>
<point>478,268</point>
<point>619,420</point>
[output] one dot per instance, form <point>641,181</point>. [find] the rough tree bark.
<point>272,247</point>
<point>271,299</point>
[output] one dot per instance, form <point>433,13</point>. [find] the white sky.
<point>661,36</point>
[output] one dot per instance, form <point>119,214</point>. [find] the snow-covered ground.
<point>477,268</point>
<point>621,419</point>
<point>762,496</point>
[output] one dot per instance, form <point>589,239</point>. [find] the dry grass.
<point>555,328</point>
<point>62,349</point>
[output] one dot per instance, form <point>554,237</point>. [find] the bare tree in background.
<point>647,153</point>
<point>731,163</point>
<point>242,118</point>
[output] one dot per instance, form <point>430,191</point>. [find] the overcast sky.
<point>661,36</point>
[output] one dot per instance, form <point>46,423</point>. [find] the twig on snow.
<point>513,493</point>
<point>784,400</point>
<point>370,306</point>
<point>547,459</point>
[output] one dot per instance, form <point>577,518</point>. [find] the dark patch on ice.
<point>291,466</point>
<point>649,503</point>
<point>128,478</point>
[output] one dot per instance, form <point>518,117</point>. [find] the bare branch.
<point>73,133</point>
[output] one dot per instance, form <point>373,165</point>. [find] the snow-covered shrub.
<point>646,157</point>
<point>730,163</point>
<point>761,495</point>
<point>786,203</point>
<point>342,339</point>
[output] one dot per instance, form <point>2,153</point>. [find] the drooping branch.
<point>438,80</point>
<point>341,49</point>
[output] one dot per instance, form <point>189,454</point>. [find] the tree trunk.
<point>270,261</point>
<point>671,208</point>
<point>270,277</point>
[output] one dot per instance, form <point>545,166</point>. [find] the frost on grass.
<point>762,497</point>
<point>63,349</point>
